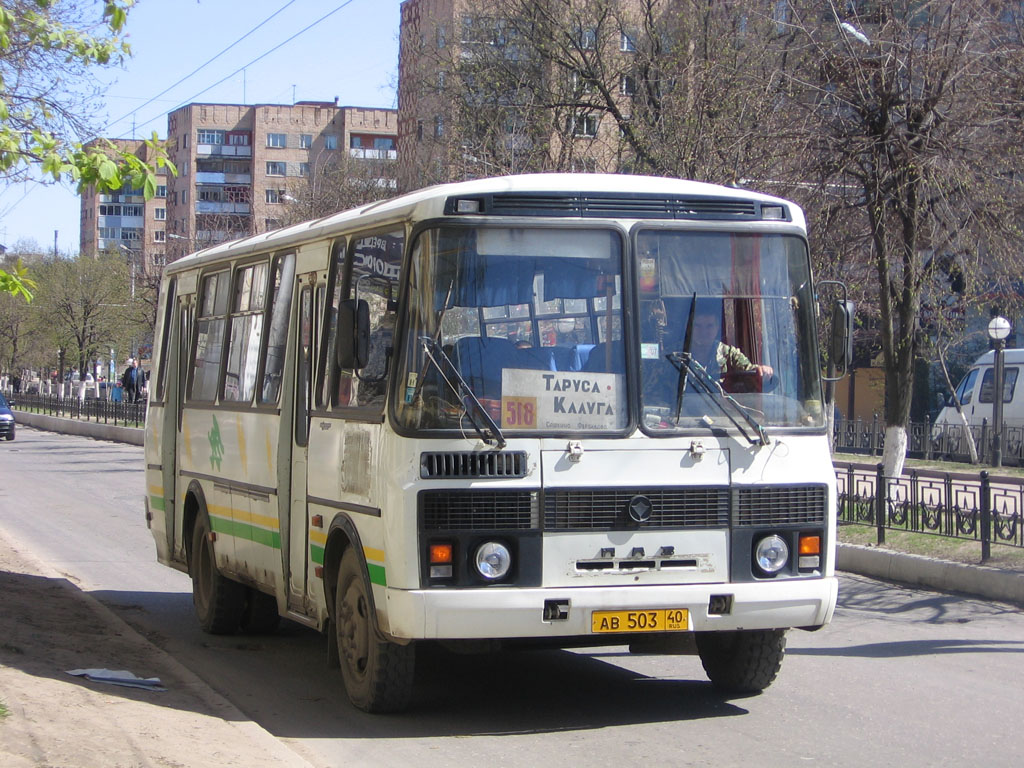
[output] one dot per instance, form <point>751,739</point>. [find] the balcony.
<point>208,206</point>
<point>209,177</point>
<point>373,154</point>
<point>224,150</point>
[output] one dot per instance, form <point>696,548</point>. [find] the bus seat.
<point>481,361</point>
<point>597,363</point>
<point>562,359</point>
<point>580,355</point>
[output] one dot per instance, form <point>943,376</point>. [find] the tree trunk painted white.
<point>895,453</point>
<point>968,435</point>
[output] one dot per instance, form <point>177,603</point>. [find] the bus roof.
<point>430,202</point>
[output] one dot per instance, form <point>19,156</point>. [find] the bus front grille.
<point>781,505</point>
<point>449,464</point>
<point>478,510</point>
<point>579,509</point>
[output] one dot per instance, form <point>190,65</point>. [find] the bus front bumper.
<point>492,613</point>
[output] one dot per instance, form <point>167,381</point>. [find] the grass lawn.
<point>942,547</point>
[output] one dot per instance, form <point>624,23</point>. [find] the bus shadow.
<point>282,682</point>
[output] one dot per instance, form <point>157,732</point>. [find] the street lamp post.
<point>998,330</point>
<point>131,264</point>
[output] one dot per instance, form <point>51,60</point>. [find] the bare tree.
<point>906,117</point>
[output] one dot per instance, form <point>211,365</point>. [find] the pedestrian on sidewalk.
<point>132,382</point>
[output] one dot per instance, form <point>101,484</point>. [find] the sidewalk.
<point>48,626</point>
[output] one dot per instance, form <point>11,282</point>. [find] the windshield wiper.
<point>475,411</point>
<point>712,389</point>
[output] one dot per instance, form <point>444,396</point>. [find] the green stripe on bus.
<point>317,554</point>
<point>157,503</point>
<point>377,574</point>
<point>241,530</point>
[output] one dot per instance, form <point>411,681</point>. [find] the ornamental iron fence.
<point>89,409</point>
<point>924,441</point>
<point>960,506</point>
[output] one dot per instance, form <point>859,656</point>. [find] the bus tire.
<point>260,616</point>
<point>218,600</point>
<point>744,661</point>
<point>378,674</point>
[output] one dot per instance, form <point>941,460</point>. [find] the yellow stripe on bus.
<point>318,537</point>
<point>374,554</point>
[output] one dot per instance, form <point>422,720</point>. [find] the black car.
<point>6,419</point>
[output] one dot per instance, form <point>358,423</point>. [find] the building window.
<point>587,38</point>
<point>208,136</point>
<point>210,194</point>
<point>384,142</point>
<point>303,169</point>
<point>184,196</point>
<point>627,42</point>
<point>276,168</point>
<point>627,85</point>
<point>159,236</point>
<point>236,194</point>
<point>270,224</point>
<point>438,126</point>
<point>442,36</point>
<point>238,139</point>
<point>273,196</point>
<point>160,214</point>
<point>305,140</point>
<point>278,140</point>
<point>419,130</point>
<point>330,141</point>
<point>161,190</point>
<point>584,126</point>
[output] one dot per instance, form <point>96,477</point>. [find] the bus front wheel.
<point>744,661</point>
<point>377,674</point>
<point>219,601</point>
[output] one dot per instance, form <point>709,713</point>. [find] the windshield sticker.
<point>561,400</point>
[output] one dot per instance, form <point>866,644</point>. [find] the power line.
<point>258,58</point>
<point>201,66</point>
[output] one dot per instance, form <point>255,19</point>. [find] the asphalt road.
<point>901,677</point>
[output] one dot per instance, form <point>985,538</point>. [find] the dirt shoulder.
<point>51,719</point>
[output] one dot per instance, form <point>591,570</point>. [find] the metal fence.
<point>924,441</point>
<point>960,506</point>
<point>90,409</point>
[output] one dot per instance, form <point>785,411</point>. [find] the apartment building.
<point>461,114</point>
<point>126,221</point>
<point>240,166</point>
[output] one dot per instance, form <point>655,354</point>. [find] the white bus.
<point>487,411</point>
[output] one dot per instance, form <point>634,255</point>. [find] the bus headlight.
<point>493,560</point>
<point>771,554</point>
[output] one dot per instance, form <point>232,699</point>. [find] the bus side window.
<point>213,310</point>
<point>277,335</point>
<point>376,262</point>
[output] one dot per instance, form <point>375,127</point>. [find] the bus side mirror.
<point>352,347</point>
<point>841,346</point>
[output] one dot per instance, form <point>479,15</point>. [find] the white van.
<point>975,392</point>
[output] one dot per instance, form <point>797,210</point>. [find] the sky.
<point>351,54</point>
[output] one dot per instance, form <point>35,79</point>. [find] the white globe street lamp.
<point>998,330</point>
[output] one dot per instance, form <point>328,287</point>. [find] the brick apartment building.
<point>126,221</point>
<point>239,167</point>
<point>439,42</point>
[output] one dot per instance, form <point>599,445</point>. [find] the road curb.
<point>918,570</point>
<point>219,706</point>
<point>120,434</point>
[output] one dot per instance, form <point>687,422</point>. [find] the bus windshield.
<point>529,318</point>
<point>726,331</point>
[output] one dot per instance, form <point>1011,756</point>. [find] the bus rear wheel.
<point>744,661</point>
<point>378,674</point>
<point>219,601</point>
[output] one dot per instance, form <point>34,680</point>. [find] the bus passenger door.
<point>298,524</point>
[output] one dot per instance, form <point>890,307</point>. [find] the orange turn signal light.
<point>810,545</point>
<point>440,553</point>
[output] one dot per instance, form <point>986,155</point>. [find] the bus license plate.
<point>658,620</point>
